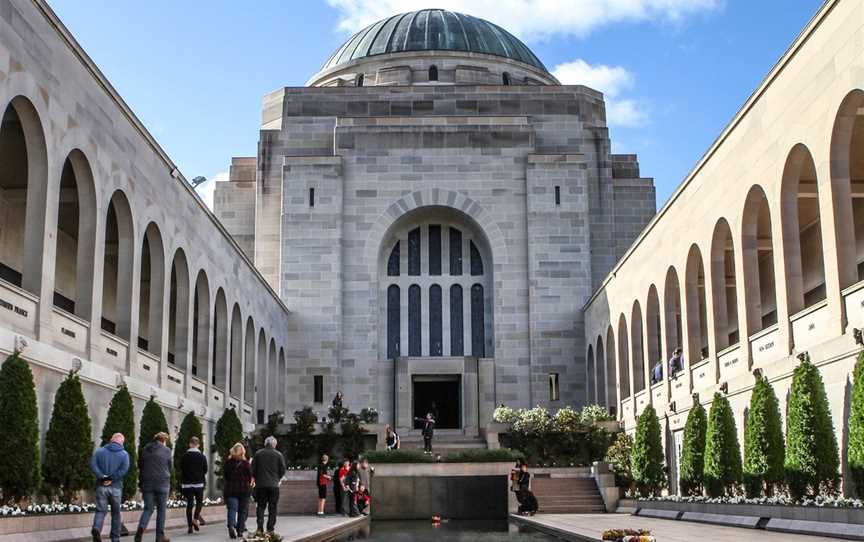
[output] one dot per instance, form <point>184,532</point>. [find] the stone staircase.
<point>567,495</point>
<point>444,442</point>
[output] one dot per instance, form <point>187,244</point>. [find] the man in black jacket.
<point>428,432</point>
<point>193,477</point>
<point>155,480</point>
<point>268,468</point>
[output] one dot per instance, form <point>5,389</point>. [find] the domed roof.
<point>432,30</point>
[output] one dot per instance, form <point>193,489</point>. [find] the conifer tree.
<point>722,451</point>
<point>764,450</point>
<point>121,419</point>
<point>19,430</point>
<point>693,452</point>
<point>856,428</point>
<point>646,463</point>
<point>189,427</point>
<point>812,460</point>
<point>68,442</point>
<point>152,421</point>
<point>229,431</point>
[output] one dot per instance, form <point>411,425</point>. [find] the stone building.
<point>757,259</point>
<point>435,209</point>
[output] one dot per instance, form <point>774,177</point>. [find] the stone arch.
<point>261,377</point>
<point>76,237</point>
<point>591,373</point>
<point>118,264</point>
<point>802,230</point>
<point>672,311</point>
<point>272,387</point>
<point>724,286</point>
<point>654,340</point>
<point>201,328</point>
<point>178,311</point>
<point>612,373</point>
<point>282,380</point>
<point>235,350</point>
<point>695,298</point>
<point>637,347</point>
<point>249,361</point>
<point>24,183</point>
<point>623,358</point>
<point>219,362</point>
<point>602,375</point>
<point>151,291</point>
<point>757,250</point>
<point>847,186</point>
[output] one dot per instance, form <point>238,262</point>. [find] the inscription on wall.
<point>67,332</point>
<point>767,346</point>
<point>111,351</point>
<point>14,308</point>
<point>730,362</point>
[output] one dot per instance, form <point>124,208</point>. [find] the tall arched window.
<point>437,308</point>
<point>433,73</point>
<point>505,79</point>
<point>360,80</point>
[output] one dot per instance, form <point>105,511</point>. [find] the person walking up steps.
<point>193,477</point>
<point>236,489</point>
<point>268,468</point>
<point>155,476</point>
<point>109,464</point>
<point>428,432</point>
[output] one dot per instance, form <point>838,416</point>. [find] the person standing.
<point>527,500</point>
<point>237,486</point>
<point>268,468</point>
<point>193,477</point>
<point>676,362</point>
<point>351,483</point>
<point>391,438</point>
<point>366,473</point>
<point>338,484</point>
<point>322,478</point>
<point>109,464</point>
<point>154,473</point>
<point>428,431</point>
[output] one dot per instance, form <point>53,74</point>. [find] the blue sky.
<point>674,71</point>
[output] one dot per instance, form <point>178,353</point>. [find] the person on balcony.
<point>657,373</point>
<point>676,362</point>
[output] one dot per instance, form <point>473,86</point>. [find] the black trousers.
<point>337,497</point>
<point>194,502</point>
<point>266,498</point>
<point>349,504</point>
<point>427,443</point>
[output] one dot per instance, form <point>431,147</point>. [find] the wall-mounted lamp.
<point>154,393</point>
<point>695,399</point>
<point>76,365</point>
<point>21,344</point>
<point>119,380</point>
<point>724,387</point>
<point>857,335</point>
<point>180,402</point>
<point>672,407</point>
<point>803,356</point>
<point>757,373</point>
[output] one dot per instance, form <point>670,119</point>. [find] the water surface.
<point>447,531</point>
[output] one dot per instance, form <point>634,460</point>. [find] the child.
<point>363,500</point>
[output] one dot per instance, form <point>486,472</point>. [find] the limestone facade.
<point>756,258</point>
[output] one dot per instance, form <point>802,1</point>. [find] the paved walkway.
<point>589,527</point>
<point>292,529</point>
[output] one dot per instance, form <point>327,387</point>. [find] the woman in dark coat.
<point>237,487</point>
<point>323,478</point>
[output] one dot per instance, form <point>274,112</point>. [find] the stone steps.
<point>567,495</point>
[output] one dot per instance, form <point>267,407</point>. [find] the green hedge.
<point>764,450</point>
<point>722,451</point>
<point>68,442</point>
<point>646,462</point>
<point>121,419</point>
<point>693,452</point>
<point>189,427</point>
<point>19,431</point>
<point>466,456</point>
<point>856,428</point>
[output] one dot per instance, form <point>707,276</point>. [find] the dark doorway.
<point>442,396</point>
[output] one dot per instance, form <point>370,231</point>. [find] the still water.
<point>452,531</point>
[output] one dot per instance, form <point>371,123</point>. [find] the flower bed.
<point>823,509</point>
<point>627,535</point>
<point>86,508</point>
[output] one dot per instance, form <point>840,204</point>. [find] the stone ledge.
<point>658,514</point>
<point>747,522</point>
<point>848,531</point>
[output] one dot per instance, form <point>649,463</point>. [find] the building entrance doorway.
<point>442,396</point>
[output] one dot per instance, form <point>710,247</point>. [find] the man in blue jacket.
<point>109,464</point>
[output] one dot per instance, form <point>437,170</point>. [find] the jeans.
<point>427,444</point>
<point>194,500</point>
<point>266,498</point>
<point>238,511</point>
<point>156,498</point>
<point>109,496</point>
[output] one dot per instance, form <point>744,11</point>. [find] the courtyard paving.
<point>589,527</point>
<point>292,529</point>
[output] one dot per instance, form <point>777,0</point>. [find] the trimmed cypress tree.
<point>189,427</point>
<point>812,460</point>
<point>722,453</point>
<point>856,428</point>
<point>121,419</point>
<point>229,431</point>
<point>152,421</point>
<point>19,431</point>
<point>646,463</point>
<point>68,444</point>
<point>693,452</point>
<point>764,450</point>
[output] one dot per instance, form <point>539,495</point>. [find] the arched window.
<point>394,319</point>
<point>505,79</point>
<point>415,339</point>
<point>436,339</point>
<point>433,73</point>
<point>249,363</point>
<point>360,80</point>
<point>261,376</point>
<point>623,358</point>
<point>178,311</point>
<point>655,341</point>
<point>201,327</point>
<point>697,309</point>
<point>117,268</point>
<point>637,348</point>
<point>591,376</point>
<point>151,292</point>
<point>847,182</point>
<point>434,319</point>
<point>219,363</point>
<point>235,372</point>
<point>611,371</point>
<point>757,248</point>
<point>672,310</point>
<point>724,286</point>
<point>457,327</point>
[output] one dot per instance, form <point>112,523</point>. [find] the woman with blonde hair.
<point>237,473</point>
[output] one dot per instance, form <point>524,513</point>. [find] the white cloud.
<point>208,187</point>
<point>612,81</point>
<point>531,19</point>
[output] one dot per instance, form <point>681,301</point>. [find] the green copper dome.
<point>433,30</point>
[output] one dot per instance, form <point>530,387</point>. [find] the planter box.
<point>797,513</point>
